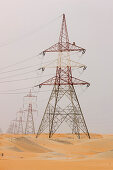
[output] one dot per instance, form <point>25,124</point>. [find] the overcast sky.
<point>29,26</point>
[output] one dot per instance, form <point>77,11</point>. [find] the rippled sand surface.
<point>62,152</point>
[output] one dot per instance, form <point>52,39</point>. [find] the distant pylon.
<point>11,128</point>
<point>15,131</point>
<point>29,101</point>
<point>20,122</point>
<point>63,104</point>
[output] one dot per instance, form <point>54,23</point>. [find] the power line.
<point>29,34</point>
<point>18,74</point>
<point>10,81</point>
<point>19,62</point>
<point>22,68</point>
<point>24,92</point>
<point>18,89</point>
<point>22,61</point>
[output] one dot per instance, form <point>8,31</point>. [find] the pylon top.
<point>64,45</point>
<point>64,74</point>
<point>63,38</point>
<point>30,94</point>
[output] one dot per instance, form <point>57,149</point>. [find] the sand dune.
<point>63,151</point>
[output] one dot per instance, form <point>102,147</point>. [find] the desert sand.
<point>62,152</point>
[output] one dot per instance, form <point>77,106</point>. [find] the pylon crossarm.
<point>48,82</point>
<point>33,110</point>
<point>75,81</point>
<point>64,47</point>
<point>54,64</point>
<point>79,82</point>
<point>73,47</point>
<point>77,65</point>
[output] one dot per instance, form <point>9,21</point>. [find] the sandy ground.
<point>62,152</point>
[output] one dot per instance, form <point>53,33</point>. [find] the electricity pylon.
<point>30,102</point>
<point>11,128</point>
<point>20,122</point>
<point>63,104</point>
<point>15,131</point>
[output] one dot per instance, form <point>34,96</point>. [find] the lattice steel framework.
<point>63,104</point>
<point>29,101</point>
<point>11,128</point>
<point>15,128</point>
<point>19,121</point>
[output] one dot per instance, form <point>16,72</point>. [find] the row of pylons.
<point>24,121</point>
<point>63,104</point>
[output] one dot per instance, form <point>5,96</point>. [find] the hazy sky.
<point>29,26</point>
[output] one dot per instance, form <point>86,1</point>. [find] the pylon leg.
<point>80,118</point>
<point>55,114</point>
<point>52,117</point>
<point>77,121</point>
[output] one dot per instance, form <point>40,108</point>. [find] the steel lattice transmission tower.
<point>11,128</point>
<point>30,103</point>
<point>15,128</point>
<point>19,120</point>
<point>63,104</point>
